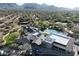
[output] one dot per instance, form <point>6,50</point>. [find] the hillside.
<point>32,6</point>
<point>8,5</point>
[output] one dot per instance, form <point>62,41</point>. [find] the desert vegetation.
<point>10,19</point>
<point>12,22</point>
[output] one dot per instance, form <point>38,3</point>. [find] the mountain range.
<point>32,6</point>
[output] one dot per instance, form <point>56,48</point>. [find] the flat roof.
<point>60,40</point>
<point>49,40</point>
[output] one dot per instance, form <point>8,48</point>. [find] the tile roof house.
<point>59,44</point>
<point>36,38</point>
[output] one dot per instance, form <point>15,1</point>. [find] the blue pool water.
<point>52,31</point>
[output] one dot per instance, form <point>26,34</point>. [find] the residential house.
<point>55,43</point>
<point>36,38</point>
<point>62,44</point>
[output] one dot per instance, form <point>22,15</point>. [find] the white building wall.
<point>76,49</point>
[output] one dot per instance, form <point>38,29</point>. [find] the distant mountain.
<point>76,9</point>
<point>8,5</point>
<point>38,6</point>
<point>31,6</point>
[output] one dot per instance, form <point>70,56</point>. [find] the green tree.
<point>10,37</point>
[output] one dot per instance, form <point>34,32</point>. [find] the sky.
<point>58,3</point>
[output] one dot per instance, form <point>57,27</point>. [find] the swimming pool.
<point>52,31</point>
